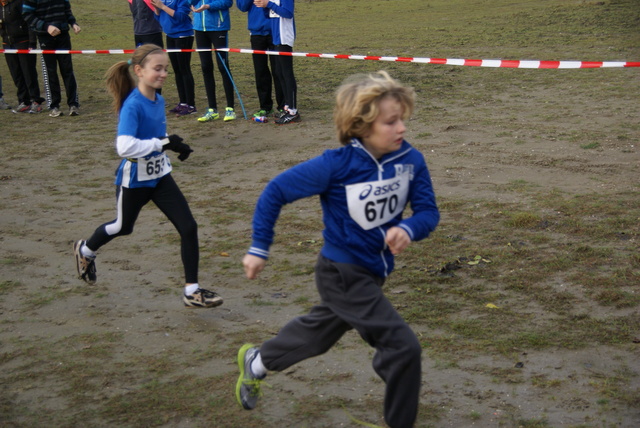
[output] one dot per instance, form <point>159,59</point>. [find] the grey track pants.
<point>352,297</point>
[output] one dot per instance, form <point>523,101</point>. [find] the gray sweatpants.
<point>352,297</point>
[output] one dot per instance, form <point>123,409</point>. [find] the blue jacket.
<point>361,198</point>
<point>216,18</point>
<point>257,22</point>
<point>283,25</point>
<point>180,24</point>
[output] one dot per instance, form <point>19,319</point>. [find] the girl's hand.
<point>253,265</point>
<point>261,3</point>
<point>397,239</point>
<point>200,9</point>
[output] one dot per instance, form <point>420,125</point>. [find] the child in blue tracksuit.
<point>175,19</point>
<point>259,26</point>
<point>211,23</point>
<point>363,188</point>
<point>283,33</point>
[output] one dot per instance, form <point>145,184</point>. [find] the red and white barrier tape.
<point>441,61</point>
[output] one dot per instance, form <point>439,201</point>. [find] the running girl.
<point>144,173</point>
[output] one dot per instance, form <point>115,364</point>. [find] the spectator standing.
<point>211,23</point>
<point>283,33</point>
<point>146,29</point>
<point>52,20</point>
<point>260,36</point>
<point>16,35</point>
<point>175,19</point>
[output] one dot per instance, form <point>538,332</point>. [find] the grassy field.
<point>515,268</point>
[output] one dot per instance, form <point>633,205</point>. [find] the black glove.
<point>175,144</point>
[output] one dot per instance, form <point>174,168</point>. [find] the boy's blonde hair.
<point>358,103</point>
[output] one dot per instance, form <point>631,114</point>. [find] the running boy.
<point>144,173</point>
<point>363,188</point>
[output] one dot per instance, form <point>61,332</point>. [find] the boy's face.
<point>387,131</point>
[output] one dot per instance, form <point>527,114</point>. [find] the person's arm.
<point>244,5</point>
<point>284,10</point>
<point>29,15</point>
<point>425,216</point>
<point>161,7</point>
<point>306,179</point>
<point>128,146</point>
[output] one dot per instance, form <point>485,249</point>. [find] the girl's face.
<point>387,131</point>
<point>154,72</point>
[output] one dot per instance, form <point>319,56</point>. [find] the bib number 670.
<point>384,205</point>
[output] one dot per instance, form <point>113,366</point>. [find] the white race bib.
<point>374,203</point>
<point>152,167</point>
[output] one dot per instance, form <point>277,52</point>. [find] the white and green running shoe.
<point>248,385</point>
<point>211,114</point>
<point>229,114</point>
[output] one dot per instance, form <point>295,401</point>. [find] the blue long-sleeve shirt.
<point>178,25</point>
<point>216,18</point>
<point>257,22</point>
<point>361,197</point>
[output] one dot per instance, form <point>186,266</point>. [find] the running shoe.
<point>22,108</point>
<point>278,113</point>
<point>202,298</point>
<point>177,108</point>
<point>35,107</point>
<point>211,114</point>
<point>288,118</point>
<point>186,110</point>
<point>86,266</point>
<point>55,112</point>
<point>229,114</point>
<point>4,105</point>
<point>74,111</point>
<point>262,113</point>
<point>248,385</point>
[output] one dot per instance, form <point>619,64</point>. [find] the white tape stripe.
<point>495,63</point>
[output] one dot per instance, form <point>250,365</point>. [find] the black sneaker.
<point>248,385</point>
<point>86,266</point>
<point>288,118</point>
<point>202,298</point>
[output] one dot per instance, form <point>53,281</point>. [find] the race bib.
<point>374,203</point>
<point>152,167</point>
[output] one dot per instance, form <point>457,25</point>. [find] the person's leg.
<point>175,64</point>
<point>30,72</point>
<point>220,41</point>
<point>154,39</point>
<point>186,76</point>
<point>357,299</point>
<point>129,203</point>
<point>13,62</point>
<point>287,77</point>
<point>277,79</point>
<point>261,71</point>
<point>66,70</point>
<point>203,41</point>
<point>51,80</point>
<point>170,200</point>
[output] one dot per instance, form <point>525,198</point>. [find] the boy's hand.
<point>397,239</point>
<point>253,265</point>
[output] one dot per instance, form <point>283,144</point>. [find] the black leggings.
<point>168,197</point>
<point>181,64</point>
<point>217,39</point>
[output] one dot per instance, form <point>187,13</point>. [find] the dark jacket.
<point>39,14</point>
<point>13,28</point>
